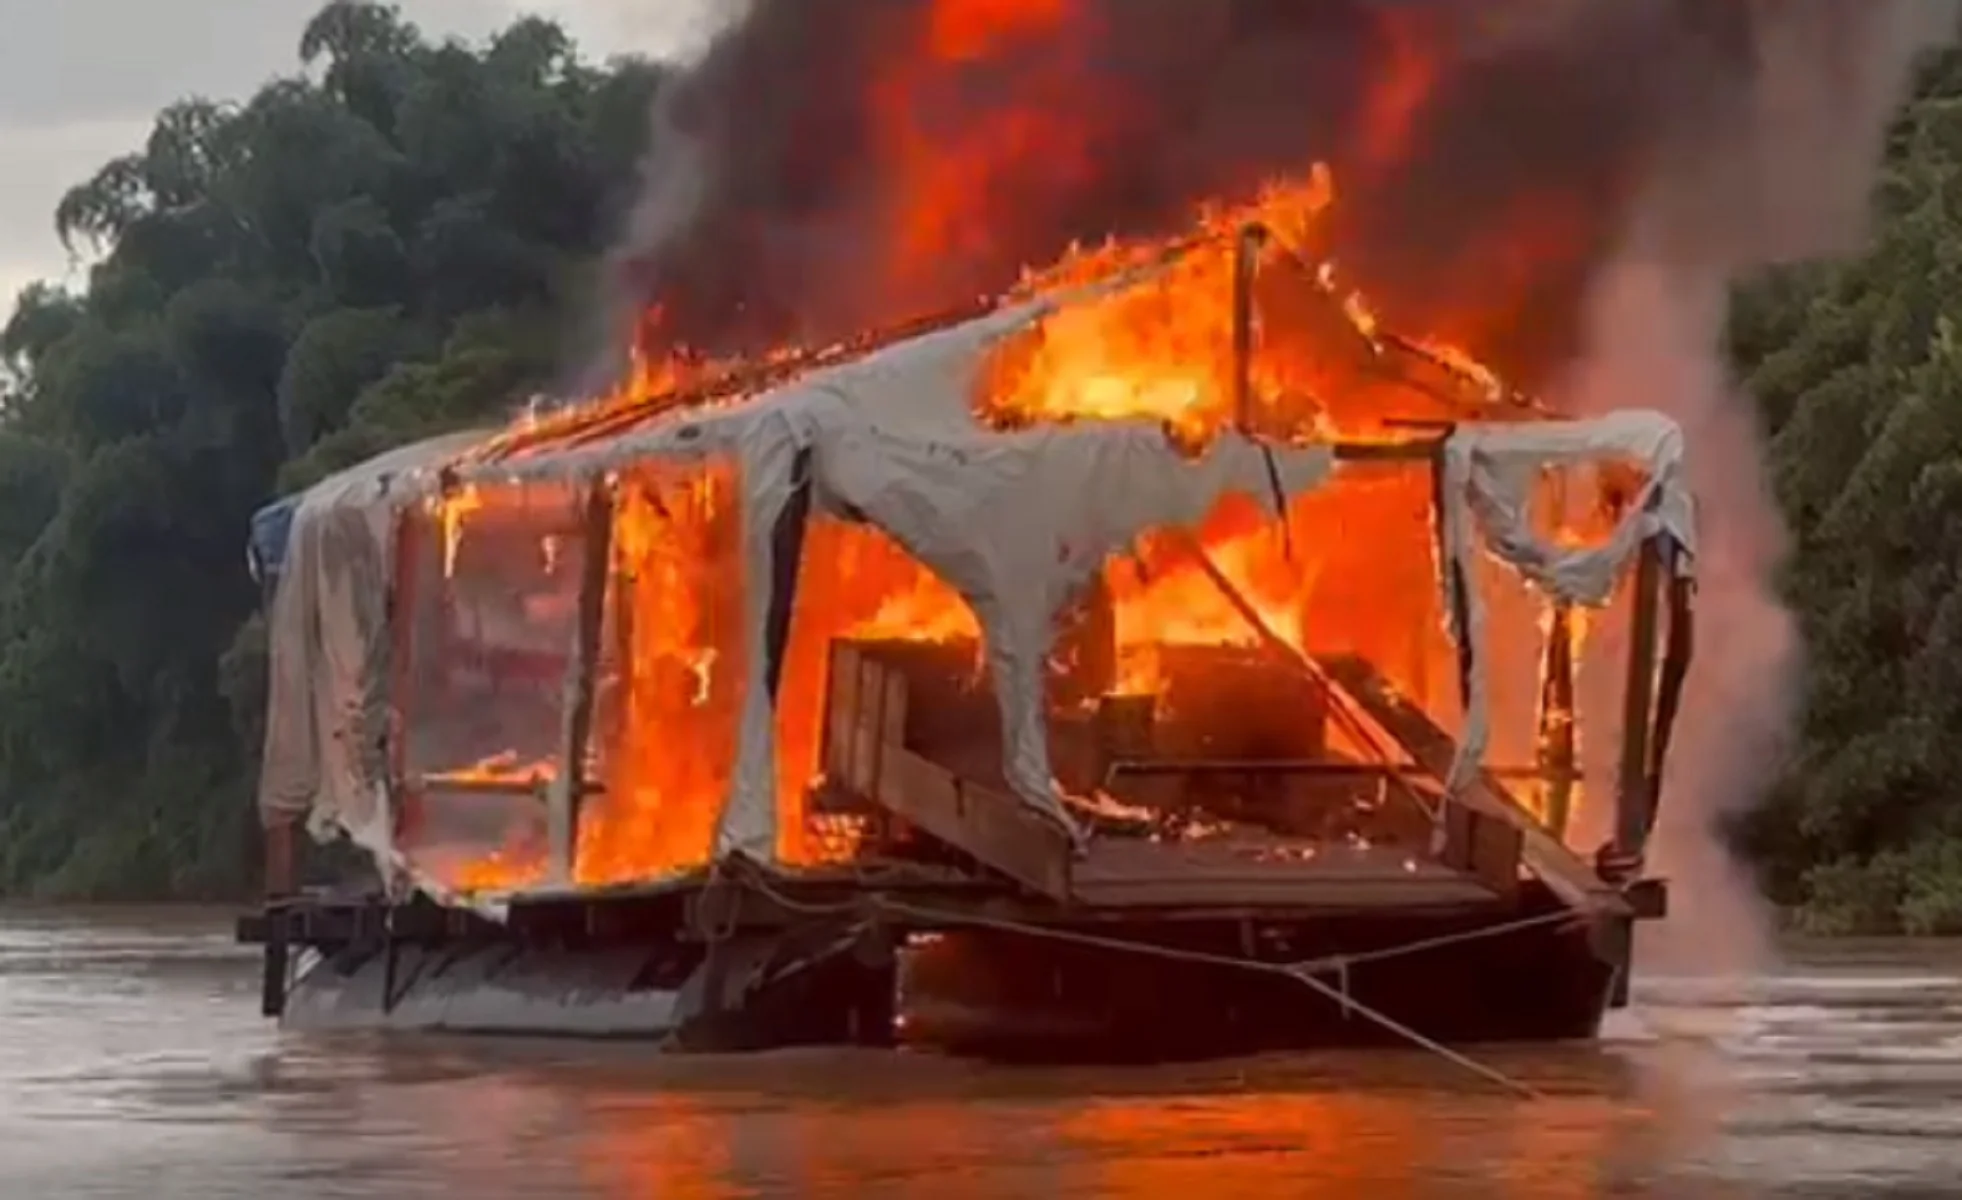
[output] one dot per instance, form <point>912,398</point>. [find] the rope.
<point>1308,972</point>
<point>1450,939</point>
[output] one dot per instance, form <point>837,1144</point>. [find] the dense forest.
<point>401,239</point>
<point>1857,370</point>
<point>397,240</point>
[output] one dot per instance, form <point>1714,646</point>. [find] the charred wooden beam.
<point>1246,265</point>
<point>1483,846</point>
<point>1620,861</point>
<point>997,828</point>
<point>279,880</point>
<point>1456,585</point>
<point>866,754</point>
<point>615,678</point>
<point>324,922</point>
<point>1124,732</point>
<point>786,560</point>
<point>1557,715</point>
<point>1633,803</point>
<point>1086,647</point>
<point>1405,450</point>
<point>276,963</point>
<point>1678,651</point>
<point>1557,741</point>
<point>836,747</point>
<point>568,788</point>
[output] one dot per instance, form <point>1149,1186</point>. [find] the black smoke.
<point>1509,186</point>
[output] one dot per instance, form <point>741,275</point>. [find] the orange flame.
<point>943,175</point>
<point>1349,570</point>
<point>1350,574</point>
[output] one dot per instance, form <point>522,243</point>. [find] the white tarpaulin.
<point>328,645</point>
<point>1489,475</point>
<point>1014,521</point>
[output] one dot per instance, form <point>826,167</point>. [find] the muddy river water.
<point>133,1063</point>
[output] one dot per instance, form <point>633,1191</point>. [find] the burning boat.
<point>1166,658</point>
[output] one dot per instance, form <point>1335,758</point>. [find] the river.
<point>133,1064</point>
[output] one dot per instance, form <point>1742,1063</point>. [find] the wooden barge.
<point>1274,848</point>
<point>969,923</point>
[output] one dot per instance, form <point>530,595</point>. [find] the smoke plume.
<point>1565,188</point>
<point>1488,154</point>
<point>1782,172</point>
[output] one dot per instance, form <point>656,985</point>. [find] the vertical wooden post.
<point>1632,801</point>
<point>1246,259</point>
<point>279,882</point>
<point>569,784</point>
<point>618,711</point>
<point>1086,641</point>
<point>1124,727</point>
<point>1679,648</point>
<point>279,889</point>
<point>1457,585</point>
<point>1557,743</point>
<point>786,564</point>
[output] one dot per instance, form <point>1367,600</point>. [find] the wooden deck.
<point>873,755</point>
<point>1136,873</point>
<point>944,831</point>
<point>1566,873</point>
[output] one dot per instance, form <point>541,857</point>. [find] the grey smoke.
<point>1783,172</point>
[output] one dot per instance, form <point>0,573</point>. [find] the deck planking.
<point>1268,873</point>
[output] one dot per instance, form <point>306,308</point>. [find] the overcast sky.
<point>80,80</point>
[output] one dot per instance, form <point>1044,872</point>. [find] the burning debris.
<point>1168,408</point>
<point>1084,459</point>
<point>1239,212</point>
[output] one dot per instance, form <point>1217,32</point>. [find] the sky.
<point>80,81</point>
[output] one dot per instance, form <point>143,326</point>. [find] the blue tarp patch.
<point>265,551</point>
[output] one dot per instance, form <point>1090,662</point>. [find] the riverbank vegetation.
<point>396,240</point>
<point>402,237</point>
<point>1857,369</point>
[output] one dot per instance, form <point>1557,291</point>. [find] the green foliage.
<point>348,259</point>
<point>333,359</point>
<point>1858,370</point>
<point>1915,890</point>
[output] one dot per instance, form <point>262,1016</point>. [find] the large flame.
<point>1350,569</point>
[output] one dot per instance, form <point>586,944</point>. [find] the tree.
<point>349,258</point>
<point>1858,370</point>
